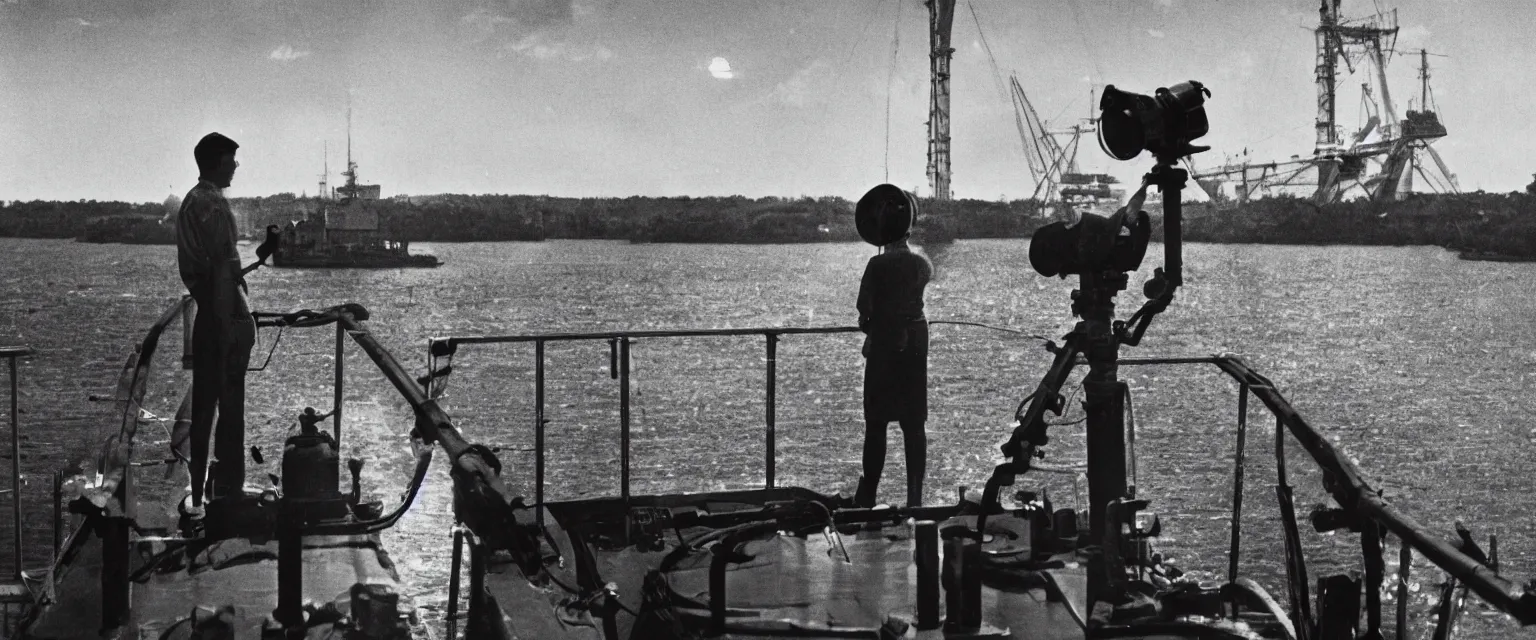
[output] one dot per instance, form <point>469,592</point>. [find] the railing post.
<point>15,469</point>
<point>115,596</point>
<point>1375,567</point>
<point>58,512</point>
<point>1404,571</point>
<point>477,605</point>
<point>290,568</point>
<point>624,415</point>
<point>772,382</point>
<point>341,336</point>
<point>1280,451</point>
<point>538,433</point>
<point>455,564</point>
<point>1237,484</point>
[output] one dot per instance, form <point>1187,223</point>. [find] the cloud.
<point>1155,33</point>
<point>540,47</point>
<point>286,53</point>
<point>795,90</point>
<point>1163,3</point>
<point>721,69</point>
<point>84,23</point>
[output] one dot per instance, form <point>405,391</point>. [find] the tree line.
<point>1502,223</point>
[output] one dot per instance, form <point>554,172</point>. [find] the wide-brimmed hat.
<point>885,214</point>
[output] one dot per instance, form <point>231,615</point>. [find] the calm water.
<point>1415,362</point>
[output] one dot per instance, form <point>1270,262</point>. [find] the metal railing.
<point>619,367</point>
<point>1362,507</point>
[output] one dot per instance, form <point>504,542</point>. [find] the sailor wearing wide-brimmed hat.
<point>890,308</point>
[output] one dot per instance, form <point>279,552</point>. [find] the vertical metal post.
<point>114,572</point>
<point>58,512</point>
<point>1280,451</point>
<point>624,415</point>
<point>1404,570</point>
<point>456,563</point>
<point>538,433</point>
<point>1237,485</point>
<point>15,470</point>
<point>773,372</point>
<point>477,604</point>
<point>341,336</point>
<point>1375,567</point>
<point>290,569</point>
<point>926,537</point>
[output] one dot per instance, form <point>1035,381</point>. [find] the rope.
<point>988,326</point>
<point>889,80</point>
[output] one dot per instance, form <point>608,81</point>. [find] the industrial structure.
<point>1059,182</point>
<point>1380,160</point>
<point>941,16</point>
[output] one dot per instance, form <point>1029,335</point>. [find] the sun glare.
<point>721,69</point>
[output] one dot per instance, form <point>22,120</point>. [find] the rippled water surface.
<point>1414,362</point>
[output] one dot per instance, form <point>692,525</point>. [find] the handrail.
<point>619,342</point>
<point>117,452</point>
<point>11,354</point>
<point>451,342</point>
<point>1343,480</point>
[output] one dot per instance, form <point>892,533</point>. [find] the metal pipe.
<point>455,563</point>
<point>1404,569</point>
<point>1280,451</point>
<point>290,570</point>
<point>115,596</point>
<point>15,470</point>
<point>773,368</point>
<point>58,512</point>
<point>1370,550</point>
<point>624,416</point>
<point>538,432</point>
<point>1237,485</point>
<point>615,335</point>
<point>341,335</point>
<point>477,601</point>
<point>927,560</point>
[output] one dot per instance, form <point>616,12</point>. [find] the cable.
<point>889,80</point>
<point>987,326</point>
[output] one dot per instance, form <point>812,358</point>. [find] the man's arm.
<point>223,259</point>
<point>866,303</point>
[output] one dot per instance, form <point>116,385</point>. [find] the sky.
<point>104,99</point>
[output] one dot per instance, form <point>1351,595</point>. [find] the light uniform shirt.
<point>205,242</point>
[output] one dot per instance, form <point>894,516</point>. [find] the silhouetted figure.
<point>223,331</point>
<point>896,364</point>
<point>309,419</point>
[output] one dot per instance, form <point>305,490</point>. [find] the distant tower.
<point>941,14</point>
<point>325,178</point>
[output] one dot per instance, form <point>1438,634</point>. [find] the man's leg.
<point>229,434</point>
<point>207,378</point>
<point>916,442</point>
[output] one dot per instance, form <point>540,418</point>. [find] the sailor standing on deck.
<point>224,331</point>
<point>896,343</point>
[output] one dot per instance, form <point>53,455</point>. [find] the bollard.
<point>927,559</point>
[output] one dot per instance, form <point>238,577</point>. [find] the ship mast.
<point>350,190</point>
<point>941,15</point>
<point>325,177</point>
